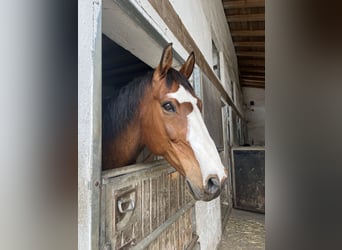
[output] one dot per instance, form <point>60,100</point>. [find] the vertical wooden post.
<point>89,122</point>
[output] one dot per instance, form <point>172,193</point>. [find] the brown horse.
<point>161,111</point>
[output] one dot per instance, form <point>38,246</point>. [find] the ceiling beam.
<point>250,44</point>
<point>246,18</point>
<point>244,4</point>
<point>252,69</point>
<point>250,54</point>
<point>236,33</point>
<point>251,62</point>
<point>252,83</point>
<point>252,77</point>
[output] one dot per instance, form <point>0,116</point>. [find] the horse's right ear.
<point>188,66</point>
<point>165,62</point>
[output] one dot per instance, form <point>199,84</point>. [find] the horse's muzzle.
<point>211,190</point>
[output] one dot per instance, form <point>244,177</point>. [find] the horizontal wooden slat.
<point>252,62</point>
<point>250,44</point>
<point>252,69</point>
<point>250,54</point>
<point>251,77</point>
<point>252,85</point>
<point>248,33</point>
<point>246,18</point>
<point>252,82</point>
<point>244,4</point>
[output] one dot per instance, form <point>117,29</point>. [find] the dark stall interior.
<point>119,66</point>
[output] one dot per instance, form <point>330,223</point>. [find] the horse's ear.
<point>188,66</point>
<point>165,61</point>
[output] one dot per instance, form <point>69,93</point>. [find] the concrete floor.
<point>244,230</point>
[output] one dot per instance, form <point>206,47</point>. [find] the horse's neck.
<point>124,149</point>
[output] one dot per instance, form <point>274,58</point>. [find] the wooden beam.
<point>250,44</point>
<point>251,77</point>
<point>247,33</point>
<point>252,85</point>
<point>252,81</point>
<point>252,69</point>
<point>246,18</point>
<point>244,4</point>
<point>251,62</point>
<point>250,54</point>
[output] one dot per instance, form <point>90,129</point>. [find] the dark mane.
<point>121,108</point>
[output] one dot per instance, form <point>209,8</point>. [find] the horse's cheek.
<point>171,132</point>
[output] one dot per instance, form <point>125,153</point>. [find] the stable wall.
<point>255,114</point>
<point>206,22</point>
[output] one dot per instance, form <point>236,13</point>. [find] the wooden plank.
<point>251,77</point>
<point>252,62</point>
<point>146,213</point>
<point>253,83</point>
<point>246,18</point>
<point>188,228</point>
<point>250,54</point>
<point>243,4</point>
<point>236,33</point>
<point>165,226</point>
<point>174,191</point>
<point>180,234</point>
<point>136,218</point>
<point>132,168</point>
<point>181,191</point>
<point>172,20</point>
<point>251,80</point>
<point>250,44</point>
<point>252,69</point>
<point>162,200</point>
<point>154,204</point>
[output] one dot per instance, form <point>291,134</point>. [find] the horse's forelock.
<point>174,75</point>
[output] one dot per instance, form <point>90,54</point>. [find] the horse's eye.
<point>168,106</point>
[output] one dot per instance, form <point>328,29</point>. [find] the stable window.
<point>216,61</point>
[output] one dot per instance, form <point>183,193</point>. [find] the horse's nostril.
<point>213,184</point>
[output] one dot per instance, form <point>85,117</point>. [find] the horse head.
<point>173,127</point>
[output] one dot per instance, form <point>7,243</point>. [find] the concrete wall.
<point>255,114</point>
<point>206,22</point>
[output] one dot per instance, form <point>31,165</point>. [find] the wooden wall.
<point>159,208</point>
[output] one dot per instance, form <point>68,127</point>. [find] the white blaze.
<point>199,138</point>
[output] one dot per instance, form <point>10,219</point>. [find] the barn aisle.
<point>244,230</point>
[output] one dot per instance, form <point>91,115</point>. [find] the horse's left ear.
<point>188,66</point>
